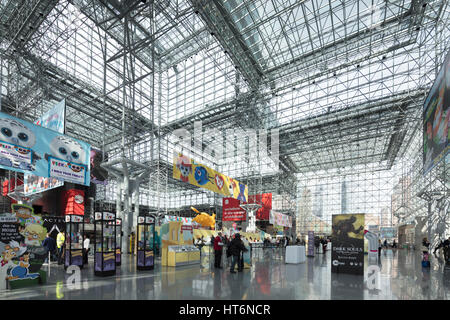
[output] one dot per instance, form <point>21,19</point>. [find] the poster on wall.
<point>436,115</point>
<point>99,175</point>
<point>199,175</point>
<point>21,250</point>
<point>29,148</point>
<point>347,255</point>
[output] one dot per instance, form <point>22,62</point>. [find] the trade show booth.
<point>145,242</point>
<point>74,235</point>
<point>105,244</point>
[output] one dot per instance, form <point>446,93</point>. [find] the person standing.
<point>50,245</point>
<point>86,249</point>
<point>379,248</point>
<point>236,247</point>
<point>60,239</point>
<point>218,245</point>
<point>447,249</point>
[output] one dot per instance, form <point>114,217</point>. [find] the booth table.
<point>295,254</point>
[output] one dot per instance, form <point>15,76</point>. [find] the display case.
<point>118,241</point>
<point>180,255</point>
<point>74,235</point>
<point>145,242</point>
<point>105,244</point>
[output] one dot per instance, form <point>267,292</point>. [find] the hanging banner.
<point>347,254</point>
<point>55,118</point>
<point>35,184</point>
<point>29,148</point>
<point>185,169</point>
<point>265,200</point>
<point>279,219</point>
<point>436,115</point>
<point>99,175</point>
<point>231,210</point>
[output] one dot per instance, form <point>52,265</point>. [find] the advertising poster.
<point>29,148</point>
<point>279,219</point>
<point>347,255</point>
<point>310,244</point>
<point>35,184</point>
<point>99,175</point>
<point>231,210</point>
<point>436,114</point>
<point>265,200</point>
<point>187,170</point>
<point>21,250</point>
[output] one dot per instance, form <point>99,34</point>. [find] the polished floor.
<point>401,277</point>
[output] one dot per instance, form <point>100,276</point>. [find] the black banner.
<point>348,244</point>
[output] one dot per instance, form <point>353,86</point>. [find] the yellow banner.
<point>185,169</point>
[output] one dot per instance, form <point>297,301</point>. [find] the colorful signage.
<point>347,254</point>
<point>28,148</point>
<point>22,254</point>
<point>55,118</point>
<point>73,202</point>
<point>279,219</point>
<point>265,200</point>
<point>99,175</point>
<point>436,115</point>
<point>187,170</point>
<point>35,184</point>
<point>231,210</point>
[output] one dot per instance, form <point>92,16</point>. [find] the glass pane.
<point>98,236</point>
<point>108,237</point>
<point>149,237</point>
<point>141,237</point>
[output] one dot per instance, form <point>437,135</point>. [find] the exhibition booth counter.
<point>179,255</point>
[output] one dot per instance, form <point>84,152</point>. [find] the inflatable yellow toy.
<point>204,219</point>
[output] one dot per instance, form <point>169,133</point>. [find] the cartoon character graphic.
<point>8,252</point>
<point>185,166</point>
<point>201,175</point>
<point>231,187</point>
<point>20,271</point>
<point>68,149</point>
<point>34,234</point>
<point>241,195</point>
<point>18,134</point>
<point>204,219</point>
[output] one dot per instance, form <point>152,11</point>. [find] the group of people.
<point>320,242</point>
<point>233,245</point>
<point>443,245</point>
<point>57,248</point>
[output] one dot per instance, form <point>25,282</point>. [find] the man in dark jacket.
<point>50,244</point>
<point>236,247</point>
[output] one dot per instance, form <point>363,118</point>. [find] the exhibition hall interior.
<point>225,150</point>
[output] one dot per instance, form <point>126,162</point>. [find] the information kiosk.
<point>105,244</point>
<point>145,242</point>
<point>118,241</point>
<point>74,235</point>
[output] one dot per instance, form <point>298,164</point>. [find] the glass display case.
<point>74,236</point>
<point>145,242</point>
<point>179,255</point>
<point>118,241</point>
<point>105,244</point>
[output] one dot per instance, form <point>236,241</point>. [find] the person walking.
<point>60,239</point>
<point>236,247</point>
<point>447,250</point>
<point>86,249</point>
<point>50,245</point>
<point>218,245</point>
<point>379,248</point>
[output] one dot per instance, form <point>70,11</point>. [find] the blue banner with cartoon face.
<point>29,148</point>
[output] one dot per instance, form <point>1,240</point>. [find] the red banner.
<point>73,202</point>
<point>265,200</point>
<point>231,210</point>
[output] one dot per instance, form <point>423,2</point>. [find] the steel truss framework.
<point>342,82</point>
